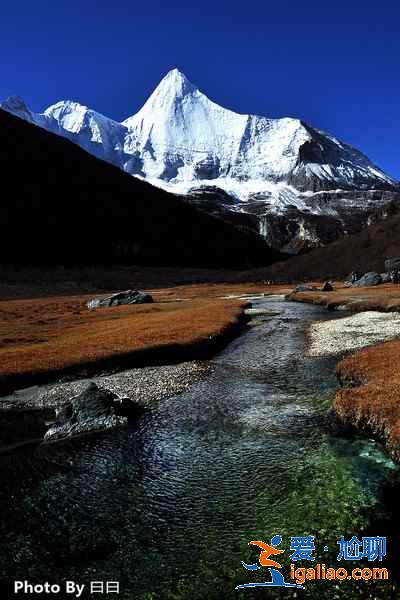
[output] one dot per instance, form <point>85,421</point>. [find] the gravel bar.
<point>352,333</point>
<point>144,385</point>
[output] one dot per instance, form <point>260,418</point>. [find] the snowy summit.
<point>183,141</point>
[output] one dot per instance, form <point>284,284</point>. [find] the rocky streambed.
<point>27,414</point>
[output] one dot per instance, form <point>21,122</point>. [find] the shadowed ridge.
<point>65,206</point>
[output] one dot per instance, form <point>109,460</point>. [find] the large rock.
<point>126,297</point>
<point>367,280</point>
<point>94,409</point>
<point>327,287</point>
<point>392,264</point>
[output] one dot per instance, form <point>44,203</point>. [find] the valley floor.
<point>43,338</point>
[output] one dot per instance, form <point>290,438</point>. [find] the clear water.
<point>168,506</point>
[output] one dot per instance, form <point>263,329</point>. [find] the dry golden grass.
<point>384,298</point>
<point>56,334</point>
<point>215,290</point>
<point>51,335</point>
<point>371,399</point>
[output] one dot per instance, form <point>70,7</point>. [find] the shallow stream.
<point>167,507</point>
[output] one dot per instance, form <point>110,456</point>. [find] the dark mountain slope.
<point>61,205</point>
<point>364,251</point>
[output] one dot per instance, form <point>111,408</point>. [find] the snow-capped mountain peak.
<point>170,92</point>
<point>180,138</point>
<point>183,136</point>
<point>76,118</point>
<point>69,114</point>
<point>183,141</point>
<point>16,106</point>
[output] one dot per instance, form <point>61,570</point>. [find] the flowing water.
<point>167,507</point>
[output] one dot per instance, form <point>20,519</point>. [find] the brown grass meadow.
<point>384,298</point>
<point>370,399</point>
<point>48,336</point>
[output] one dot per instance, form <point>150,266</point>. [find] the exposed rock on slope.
<point>362,252</point>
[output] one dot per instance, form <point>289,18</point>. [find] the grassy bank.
<point>369,398</point>
<point>44,338</point>
<point>384,298</point>
<point>370,378</point>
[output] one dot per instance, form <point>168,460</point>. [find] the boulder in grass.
<point>126,297</point>
<point>327,287</point>
<point>94,409</point>
<point>392,264</point>
<point>368,280</point>
<point>352,278</point>
<point>386,278</point>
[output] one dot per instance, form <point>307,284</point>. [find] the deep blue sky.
<point>335,63</point>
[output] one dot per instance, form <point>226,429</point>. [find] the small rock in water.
<point>126,297</point>
<point>94,409</point>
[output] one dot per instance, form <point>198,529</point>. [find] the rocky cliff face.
<point>296,185</point>
<point>322,218</point>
